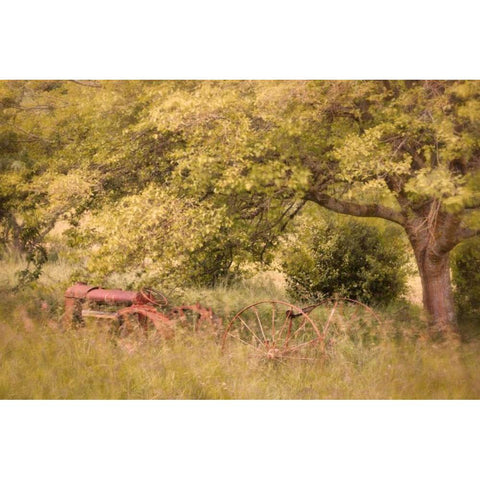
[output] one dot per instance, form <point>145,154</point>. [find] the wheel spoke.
<point>296,347</point>
<point>259,323</point>
<point>250,330</point>
<point>300,358</point>
<point>327,323</point>
<point>304,321</point>
<point>273,323</point>
<point>288,320</point>
<point>246,343</point>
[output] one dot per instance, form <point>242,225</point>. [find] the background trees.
<point>466,279</point>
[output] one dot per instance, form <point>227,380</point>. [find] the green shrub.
<point>348,258</point>
<point>466,279</point>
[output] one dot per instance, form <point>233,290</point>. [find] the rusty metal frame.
<point>148,306</point>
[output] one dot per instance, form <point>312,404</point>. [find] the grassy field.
<point>41,358</point>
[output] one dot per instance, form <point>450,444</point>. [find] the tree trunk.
<point>434,269</point>
<point>432,232</point>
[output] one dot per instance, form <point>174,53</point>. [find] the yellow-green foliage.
<point>191,180</point>
<point>155,237</point>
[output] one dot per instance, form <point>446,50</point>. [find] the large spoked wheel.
<point>274,330</point>
<point>344,318</point>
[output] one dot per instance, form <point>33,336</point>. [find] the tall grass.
<point>41,362</point>
<point>40,358</point>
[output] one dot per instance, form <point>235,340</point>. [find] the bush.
<point>348,258</point>
<point>466,279</point>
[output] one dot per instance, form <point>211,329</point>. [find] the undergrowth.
<point>43,358</point>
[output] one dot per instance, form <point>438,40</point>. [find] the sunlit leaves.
<point>434,183</point>
<point>157,238</point>
<point>231,160</point>
<point>369,156</point>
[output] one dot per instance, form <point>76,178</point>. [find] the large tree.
<point>419,142</point>
<point>404,151</point>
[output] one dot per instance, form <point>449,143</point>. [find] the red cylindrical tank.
<point>77,294</point>
<point>115,297</point>
<point>80,291</point>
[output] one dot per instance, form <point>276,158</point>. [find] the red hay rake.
<point>270,329</point>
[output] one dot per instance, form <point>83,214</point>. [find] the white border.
<point>239,440</point>
<point>249,39</point>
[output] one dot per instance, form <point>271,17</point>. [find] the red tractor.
<point>147,309</point>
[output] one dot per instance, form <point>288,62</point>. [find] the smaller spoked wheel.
<point>345,319</point>
<point>274,330</point>
<point>145,321</point>
<point>154,297</point>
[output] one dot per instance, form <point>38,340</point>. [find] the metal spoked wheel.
<point>344,318</point>
<point>274,330</point>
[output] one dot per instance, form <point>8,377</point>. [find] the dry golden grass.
<point>41,359</point>
<point>414,290</point>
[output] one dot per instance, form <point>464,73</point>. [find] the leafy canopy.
<point>231,162</point>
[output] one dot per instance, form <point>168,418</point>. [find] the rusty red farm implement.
<point>270,329</point>
<point>146,309</point>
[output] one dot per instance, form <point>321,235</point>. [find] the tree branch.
<point>32,136</point>
<point>465,233</point>
<point>87,83</point>
<point>356,209</point>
